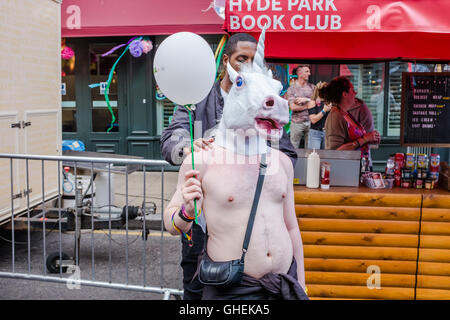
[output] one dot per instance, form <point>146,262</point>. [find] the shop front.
<point>371,239</point>
<point>371,43</point>
<point>91,29</point>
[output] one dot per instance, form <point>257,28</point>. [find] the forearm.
<point>298,107</point>
<point>182,225</point>
<point>175,137</point>
<point>297,245</point>
<point>347,146</point>
<point>291,222</point>
<point>353,145</point>
<point>315,117</point>
<point>171,150</point>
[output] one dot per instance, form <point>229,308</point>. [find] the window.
<point>99,70</point>
<point>165,110</point>
<point>68,99</point>
<point>372,84</point>
<point>368,80</point>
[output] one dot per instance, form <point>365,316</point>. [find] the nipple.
<point>230,199</point>
<point>283,195</point>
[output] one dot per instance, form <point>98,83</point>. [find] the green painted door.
<point>107,126</point>
<point>86,116</point>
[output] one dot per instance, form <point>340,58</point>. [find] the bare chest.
<point>235,185</point>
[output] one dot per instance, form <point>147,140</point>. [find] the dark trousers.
<point>193,289</point>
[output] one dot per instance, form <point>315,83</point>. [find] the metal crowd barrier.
<point>89,209</point>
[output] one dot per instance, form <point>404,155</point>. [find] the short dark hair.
<point>294,71</point>
<point>231,45</point>
<point>332,93</point>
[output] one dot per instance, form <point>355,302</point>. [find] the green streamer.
<point>108,83</point>
<point>219,58</point>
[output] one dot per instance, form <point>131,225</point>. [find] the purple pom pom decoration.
<point>135,48</point>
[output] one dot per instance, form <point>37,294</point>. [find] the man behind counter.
<point>298,96</point>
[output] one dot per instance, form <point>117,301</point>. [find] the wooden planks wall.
<point>433,279</point>
<point>346,232</point>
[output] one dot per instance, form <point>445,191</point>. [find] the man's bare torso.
<point>228,191</point>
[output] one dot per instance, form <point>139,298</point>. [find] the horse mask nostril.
<point>270,102</point>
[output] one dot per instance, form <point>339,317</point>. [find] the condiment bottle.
<point>313,170</point>
<point>325,176</point>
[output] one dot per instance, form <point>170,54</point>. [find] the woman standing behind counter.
<point>343,131</point>
<point>318,112</point>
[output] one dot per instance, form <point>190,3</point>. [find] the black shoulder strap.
<point>251,219</point>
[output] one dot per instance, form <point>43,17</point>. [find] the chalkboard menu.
<point>425,119</point>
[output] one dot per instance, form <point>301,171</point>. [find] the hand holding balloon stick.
<point>189,109</point>
<point>185,70</point>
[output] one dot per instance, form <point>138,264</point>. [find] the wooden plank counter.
<point>348,233</point>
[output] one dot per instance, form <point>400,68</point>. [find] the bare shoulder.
<point>284,161</point>
<point>200,159</point>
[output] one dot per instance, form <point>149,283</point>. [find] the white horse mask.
<point>253,112</point>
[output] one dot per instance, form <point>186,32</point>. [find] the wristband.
<point>187,236</point>
<point>323,112</point>
<point>183,215</point>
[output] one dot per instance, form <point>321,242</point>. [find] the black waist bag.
<point>226,273</point>
<point>229,273</point>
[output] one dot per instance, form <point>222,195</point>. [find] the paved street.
<point>161,249</point>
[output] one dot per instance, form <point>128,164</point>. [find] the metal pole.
<point>43,211</point>
<point>92,283</point>
<point>28,216</point>
<point>144,234</point>
<point>76,214</point>
<point>85,159</point>
<point>92,220</point>
<point>109,207</point>
<point>126,218</point>
<point>162,227</point>
<point>12,212</point>
<point>59,217</point>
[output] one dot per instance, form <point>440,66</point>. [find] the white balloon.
<point>184,68</point>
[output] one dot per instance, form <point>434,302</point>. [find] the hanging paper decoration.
<point>67,53</point>
<point>136,46</point>
<point>146,46</point>
<point>68,58</point>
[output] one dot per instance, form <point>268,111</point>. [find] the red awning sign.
<point>97,18</point>
<point>346,29</point>
<point>338,15</point>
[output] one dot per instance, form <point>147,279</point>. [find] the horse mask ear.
<point>232,74</point>
<point>258,61</point>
